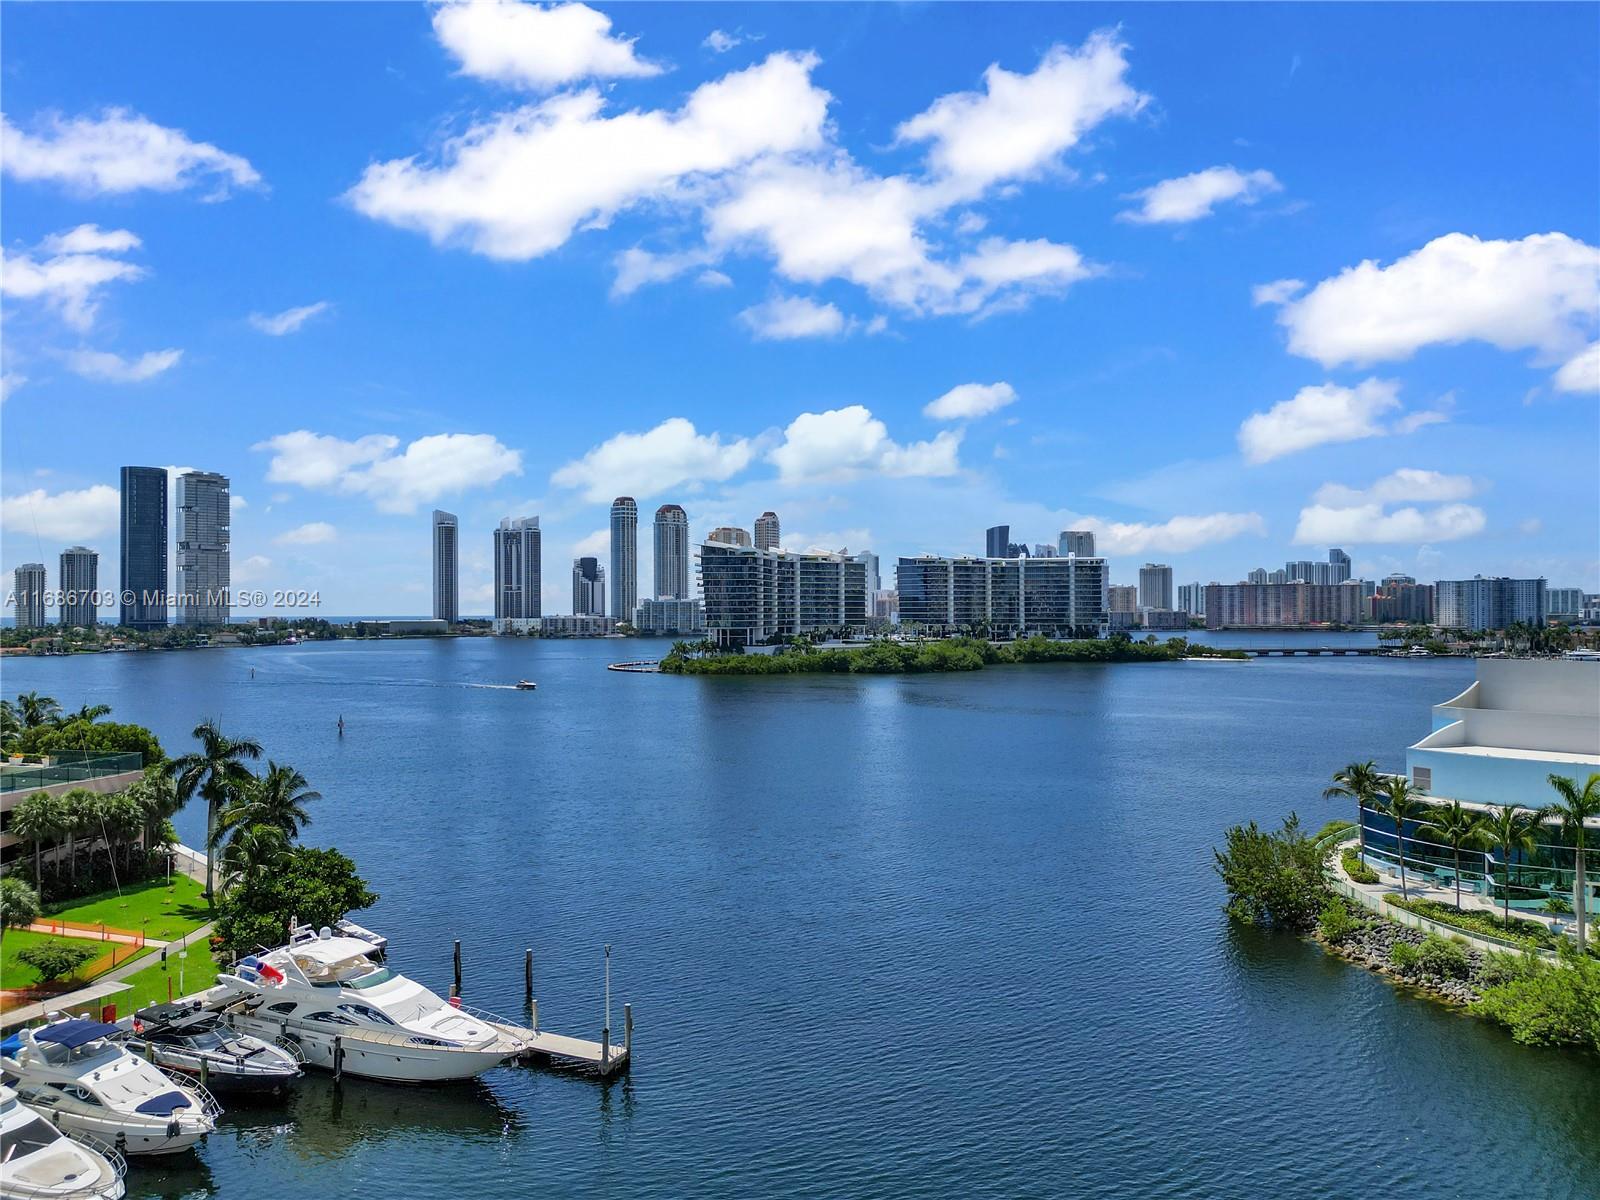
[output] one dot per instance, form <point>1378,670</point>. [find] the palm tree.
<point>1576,806</point>
<point>218,773</point>
<point>122,821</point>
<point>278,799</point>
<point>36,710</point>
<point>78,817</point>
<point>37,820</point>
<point>1511,829</point>
<point>1456,826</point>
<point>1402,803</point>
<point>253,849</point>
<point>1359,782</point>
<point>89,714</point>
<point>10,722</point>
<point>158,800</point>
<point>19,904</point>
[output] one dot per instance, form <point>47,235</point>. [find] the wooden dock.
<point>558,1050</point>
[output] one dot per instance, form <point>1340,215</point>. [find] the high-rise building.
<point>1564,602</point>
<point>874,581</point>
<point>669,615</point>
<point>1122,598</point>
<point>672,553</point>
<point>1043,550</point>
<point>446,567</point>
<point>1058,597</point>
<point>769,533</point>
<point>588,587</point>
<point>1255,605</point>
<point>1400,598</point>
<point>997,541</point>
<point>624,557</point>
<point>27,593</point>
<point>204,520</point>
<point>1339,561</point>
<point>517,581</point>
<point>144,548</point>
<point>1496,603</point>
<point>1259,575</point>
<point>1155,586</point>
<point>730,535</point>
<point>753,596</point>
<point>80,584</point>
<point>1192,599</point>
<point>1076,541</point>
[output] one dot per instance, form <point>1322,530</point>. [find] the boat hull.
<point>140,1139</point>
<point>397,1063</point>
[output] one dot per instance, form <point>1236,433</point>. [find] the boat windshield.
<point>28,1138</point>
<point>357,971</point>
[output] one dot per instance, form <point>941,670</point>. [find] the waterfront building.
<point>753,596</point>
<point>671,562</point>
<point>1155,586</point>
<point>1122,598</point>
<point>446,567</point>
<point>624,556</point>
<point>1076,541</point>
<point>27,594</point>
<point>1339,561</point>
<point>143,576</point>
<point>588,587</point>
<point>79,583</point>
<point>997,541</point>
<point>1496,603</point>
<point>769,532</point>
<point>670,615</point>
<point>1192,599</point>
<point>1163,618</point>
<point>1591,608</point>
<point>1401,599</point>
<point>730,535</point>
<point>60,773</point>
<point>205,517</point>
<point>1043,550</point>
<point>1283,605</point>
<point>874,581</point>
<point>576,625</point>
<point>1058,597</point>
<point>517,574</point>
<point>1565,603</point>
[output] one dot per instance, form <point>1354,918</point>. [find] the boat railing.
<point>208,1102</point>
<point>357,1033</point>
<point>106,1151</point>
<point>28,1191</point>
<point>495,1019</point>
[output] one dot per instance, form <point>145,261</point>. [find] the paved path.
<point>90,934</point>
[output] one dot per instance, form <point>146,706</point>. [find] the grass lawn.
<point>148,986</point>
<point>16,974</point>
<point>163,912</point>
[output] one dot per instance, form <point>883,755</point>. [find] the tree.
<point>158,800</point>
<point>1576,807</point>
<point>1359,782</point>
<point>1276,879</point>
<point>1511,829</point>
<point>79,816</point>
<point>38,820</point>
<point>19,904</point>
<point>51,960</point>
<point>217,772</point>
<point>121,821</point>
<point>1402,803</point>
<point>36,710</point>
<point>252,850</point>
<point>315,887</point>
<point>277,799</point>
<point>1456,827</point>
<point>101,737</point>
<point>88,714</point>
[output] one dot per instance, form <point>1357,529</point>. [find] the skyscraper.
<point>1155,586</point>
<point>729,535</point>
<point>446,567</point>
<point>588,587</point>
<point>624,557</point>
<point>1340,562</point>
<point>144,548</point>
<point>517,581</point>
<point>996,541</point>
<point>79,580</point>
<point>28,594</point>
<point>204,520</point>
<point>768,531</point>
<point>672,553</point>
<point>1077,541</point>
<point>874,583</point>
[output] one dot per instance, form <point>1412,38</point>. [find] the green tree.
<point>158,800</point>
<point>1359,782</point>
<point>217,772</point>
<point>315,887</point>
<point>36,710</point>
<point>39,821</point>
<point>1511,829</point>
<point>1576,807</point>
<point>278,799</point>
<point>88,714</point>
<point>79,818</point>
<point>1402,803</point>
<point>99,737</point>
<point>1456,827</point>
<point>1276,879</point>
<point>252,850</point>
<point>52,960</point>
<point>19,904</point>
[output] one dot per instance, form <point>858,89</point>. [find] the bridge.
<point>1298,651</point>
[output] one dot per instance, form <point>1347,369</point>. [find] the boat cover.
<point>74,1033</point>
<point>165,1104</point>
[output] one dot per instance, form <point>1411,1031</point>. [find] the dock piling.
<point>533,1013</point>
<point>627,1030</point>
<point>455,990</point>
<point>527,975</point>
<point>338,1058</point>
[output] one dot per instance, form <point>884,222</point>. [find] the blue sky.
<point>1229,284</point>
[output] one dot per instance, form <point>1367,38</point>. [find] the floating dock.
<point>558,1050</point>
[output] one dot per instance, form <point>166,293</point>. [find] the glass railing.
<point>66,766</point>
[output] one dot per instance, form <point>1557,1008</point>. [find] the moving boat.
<point>38,1161</point>
<point>526,685</point>
<point>333,998</point>
<point>187,1038</point>
<point>88,1083</point>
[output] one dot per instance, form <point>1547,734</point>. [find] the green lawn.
<point>148,986</point>
<point>15,974</point>
<point>164,912</point>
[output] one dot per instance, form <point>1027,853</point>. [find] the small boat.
<point>78,1072</point>
<point>186,1038</point>
<point>526,685</point>
<point>39,1161</point>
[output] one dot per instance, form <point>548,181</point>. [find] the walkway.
<point>93,933</point>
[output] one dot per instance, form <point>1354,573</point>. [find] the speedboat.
<point>88,1083</point>
<point>189,1039</point>
<point>526,685</point>
<point>333,998</point>
<point>38,1161</point>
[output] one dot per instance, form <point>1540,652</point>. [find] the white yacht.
<point>39,1162</point>
<point>88,1083</point>
<point>192,1041</point>
<point>344,1010</point>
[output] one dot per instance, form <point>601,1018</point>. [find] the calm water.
<point>934,936</point>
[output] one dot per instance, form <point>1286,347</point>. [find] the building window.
<point>1422,778</point>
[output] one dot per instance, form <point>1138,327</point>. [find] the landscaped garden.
<point>159,908</point>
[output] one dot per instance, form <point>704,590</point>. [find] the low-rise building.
<point>669,615</point>
<point>562,625</point>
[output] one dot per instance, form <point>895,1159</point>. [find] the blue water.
<point>920,936</point>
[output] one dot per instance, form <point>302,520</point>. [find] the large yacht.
<point>332,996</point>
<point>193,1041</point>
<point>39,1162</point>
<point>74,1071</point>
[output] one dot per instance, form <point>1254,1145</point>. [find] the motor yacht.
<point>87,1082</point>
<point>187,1038</point>
<point>526,685</point>
<point>39,1162</point>
<point>345,1010</point>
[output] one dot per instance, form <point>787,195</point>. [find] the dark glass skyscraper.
<point>144,547</point>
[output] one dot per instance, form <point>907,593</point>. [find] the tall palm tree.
<point>217,772</point>
<point>10,722</point>
<point>78,817</point>
<point>1456,826</point>
<point>278,798</point>
<point>37,820</point>
<point>36,710</point>
<point>158,800</point>
<point>1359,782</point>
<point>1576,806</point>
<point>253,849</point>
<point>1402,803</point>
<point>1511,829</point>
<point>89,714</point>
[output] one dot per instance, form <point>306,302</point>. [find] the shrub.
<point>1273,878</point>
<point>1548,1004</point>
<point>54,959</point>
<point>1442,959</point>
<point>1337,922</point>
<point>1503,967</point>
<point>1405,957</point>
<point>1358,871</point>
<point>1558,904</point>
<point>317,886</point>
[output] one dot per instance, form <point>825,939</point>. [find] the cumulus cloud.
<point>10,382</point>
<point>1581,372</point>
<point>967,401</point>
<point>91,239</point>
<point>1354,524</point>
<point>1535,294</point>
<point>786,318</point>
<point>1174,536</point>
<point>289,320</point>
<point>533,45</point>
<point>1190,197</point>
<point>1408,483</point>
<point>62,516</point>
<point>842,443</point>
<point>427,469</point>
<point>315,533</point>
<point>1327,413</point>
<point>720,42</point>
<point>105,367</point>
<point>67,272</point>
<point>117,152</point>
<point>1279,291</point>
<point>673,454</point>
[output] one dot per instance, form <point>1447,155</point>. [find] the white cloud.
<point>117,152</point>
<point>967,401</point>
<point>9,383</point>
<point>62,516</point>
<point>236,502</point>
<point>637,267</point>
<point>593,545</point>
<point>1279,291</point>
<point>1408,483</point>
<point>315,533</point>
<point>719,42</point>
<point>785,318</point>
<point>843,443</point>
<point>1534,294</point>
<point>1330,412</point>
<point>1581,372</point>
<point>1190,197</point>
<point>70,271</point>
<point>1175,536</point>
<point>252,569</point>
<point>1366,523</point>
<point>427,469</point>
<point>289,320</point>
<point>713,279</point>
<point>535,46</point>
<point>105,367</point>
<point>91,239</point>
<point>673,454</point>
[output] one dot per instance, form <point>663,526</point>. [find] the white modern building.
<point>624,556</point>
<point>672,552</point>
<point>669,615</point>
<point>446,567</point>
<point>753,596</point>
<point>80,585</point>
<point>204,522</point>
<point>1058,597</point>
<point>1192,598</point>
<point>588,587</point>
<point>874,580</point>
<point>28,595</point>
<point>517,574</point>
<point>1564,602</point>
<point>1494,603</point>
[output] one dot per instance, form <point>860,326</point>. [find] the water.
<point>919,936</point>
